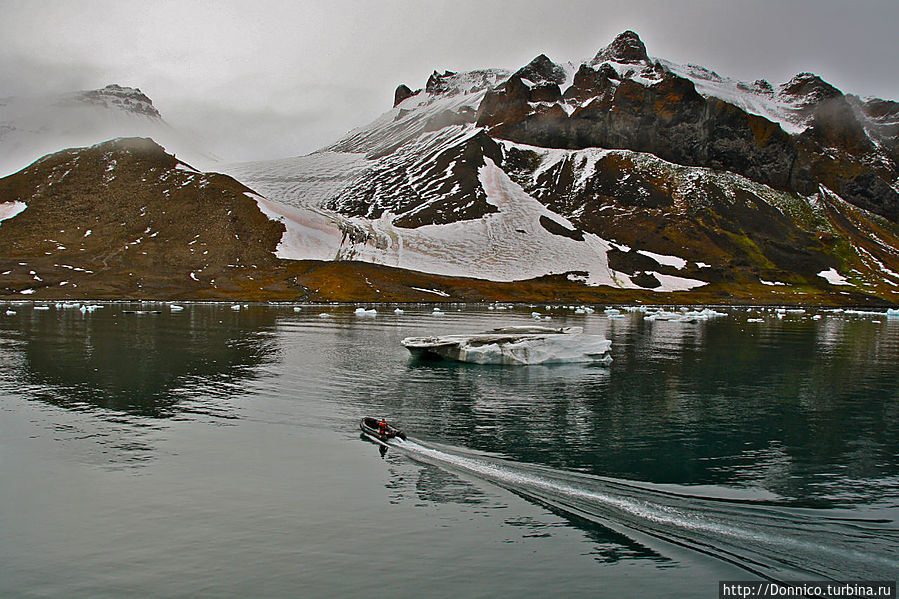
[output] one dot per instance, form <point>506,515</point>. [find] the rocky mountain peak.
<point>626,47</point>
<point>437,83</point>
<point>127,99</point>
<point>541,70</point>
<point>808,88</point>
<point>402,92</point>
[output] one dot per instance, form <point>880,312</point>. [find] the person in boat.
<point>382,426</point>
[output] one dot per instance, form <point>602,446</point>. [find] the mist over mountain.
<point>33,126</point>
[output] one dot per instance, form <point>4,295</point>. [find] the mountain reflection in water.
<point>151,365</point>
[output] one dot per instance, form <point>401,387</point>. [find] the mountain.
<point>31,127</point>
<point>124,219</point>
<point>622,173</point>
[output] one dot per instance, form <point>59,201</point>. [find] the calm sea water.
<point>213,452</point>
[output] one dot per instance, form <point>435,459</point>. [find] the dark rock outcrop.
<point>669,119</point>
<point>541,70</point>
<point>129,99</point>
<point>626,47</point>
<point>402,92</point>
<point>437,83</point>
<point>808,89</point>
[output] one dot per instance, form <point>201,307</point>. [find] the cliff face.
<point>623,100</point>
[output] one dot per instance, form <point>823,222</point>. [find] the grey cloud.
<point>265,78</point>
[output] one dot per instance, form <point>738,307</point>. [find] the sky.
<point>269,79</point>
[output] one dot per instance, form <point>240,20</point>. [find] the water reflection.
<point>119,376</point>
<point>146,365</point>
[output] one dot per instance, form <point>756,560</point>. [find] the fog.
<point>270,79</point>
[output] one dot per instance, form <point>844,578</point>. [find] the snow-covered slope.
<point>449,99</point>
<point>31,127</point>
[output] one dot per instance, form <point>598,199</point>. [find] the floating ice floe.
<point>398,311</point>
<point>685,315</point>
<point>515,346</point>
<point>364,312</point>
<point>176,308</point>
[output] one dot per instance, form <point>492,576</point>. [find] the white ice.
<point>517,346</point>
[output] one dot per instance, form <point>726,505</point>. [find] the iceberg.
<point>514,346</point>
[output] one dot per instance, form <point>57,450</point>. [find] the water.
<point>215,453</point>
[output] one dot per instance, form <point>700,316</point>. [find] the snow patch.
<point>833,277</point>
<point>674,261</point>
<point>10,209</point>
<point>434,291</point>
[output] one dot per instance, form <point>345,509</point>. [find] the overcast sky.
<point>264,79</point>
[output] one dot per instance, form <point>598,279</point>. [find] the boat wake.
<point>772,541</point>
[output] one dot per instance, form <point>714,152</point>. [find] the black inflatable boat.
<point>371,426</point>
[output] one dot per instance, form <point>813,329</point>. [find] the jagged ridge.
<point>622,99</point>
